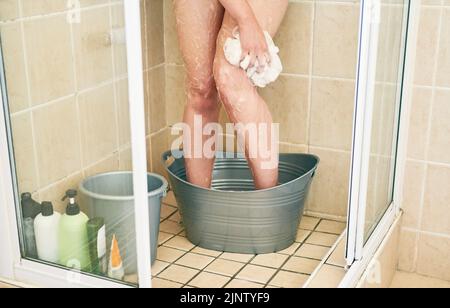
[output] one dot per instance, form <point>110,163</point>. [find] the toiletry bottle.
<point>30,209</point>
<point>46,226</point>
<point>97,245</point>
<point>115,268</point>
<point>73,239</point>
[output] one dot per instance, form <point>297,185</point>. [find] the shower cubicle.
<point>91,88</point>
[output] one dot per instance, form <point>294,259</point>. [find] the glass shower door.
<point>70,84</point>
<point>383,37</point>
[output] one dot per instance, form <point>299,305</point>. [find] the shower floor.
<point>180,264</point>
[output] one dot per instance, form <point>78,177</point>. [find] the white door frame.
<point>12,266</point>
<point>360,262</point>
<point>362,129</point>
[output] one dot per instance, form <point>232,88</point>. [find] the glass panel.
<point>66,79</point>
<point>386,112</point>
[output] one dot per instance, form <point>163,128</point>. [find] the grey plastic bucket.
<point>110,196</point>
<point>233,216</point>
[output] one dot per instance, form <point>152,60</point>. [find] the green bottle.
<point>73,237</point>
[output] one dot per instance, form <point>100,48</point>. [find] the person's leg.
<point>241,100</point>
<point>198,24</point>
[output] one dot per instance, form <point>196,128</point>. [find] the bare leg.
<point>198,24</point>
<point>241,100</point>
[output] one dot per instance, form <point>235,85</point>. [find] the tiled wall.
<point>425,243</point>
<point>68,91</point>
<point>313,100</point>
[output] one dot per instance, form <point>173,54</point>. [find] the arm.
<point>252,36</point>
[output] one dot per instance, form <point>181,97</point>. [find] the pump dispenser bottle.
<point>73,237</point>
<point>46,226</point>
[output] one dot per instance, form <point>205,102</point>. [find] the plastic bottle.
<point>46,226</point>
<point>30,209</point>
<point>73,238</point>
<point>115,268</point>
<point>97,245</point>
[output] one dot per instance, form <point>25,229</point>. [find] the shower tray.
<point>234,217</point>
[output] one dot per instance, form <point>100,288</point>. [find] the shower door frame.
<point>358,252</point>
<point>17,269</point>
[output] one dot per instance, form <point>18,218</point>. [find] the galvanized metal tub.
<point>110,196</point>
<point>233,216</point>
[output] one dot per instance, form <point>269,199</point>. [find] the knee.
<point>232,83</point>
<point>202,93</point>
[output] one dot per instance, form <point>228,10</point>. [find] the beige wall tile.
<point>294,38</point>
<point>15,69</point>
<point>280,97</point>
<point>412,193</point>
<point>436,202</point>
<point>57,191</point>
<point>427,45</point>
<point>335,39</point>
<point>93,50</point>
<point>24,152</point>
<point>98,124</point>
<point>155,32</point>
<point>175,93</point>
<point>172,50</point>
<point>9,9</point>
<point>329,190</point>
<point>407,258</point>
<point>332,113</point>
<point>53,79</point>
<point>433,260</point>
<point>57,141</point>
<point>123,111</point>
<point>443,73</point>
<point>40,7</point>
<point>439,147</point>
<point>157,102</point>
<point>419,123</point>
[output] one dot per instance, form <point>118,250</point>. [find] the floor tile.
<point>195,261</point>
<point>159,283</point>
<point>274,260</point>
<point>170,199</point>
<point>301,265</point>
<point>322,239</point>
<point>171,227</point>
<point>206,252</point>
<point>158,267</point>
<point>178,273</point>
<point>328,277</point>
<point>179,242</point>
<point>309,223</point>
<point>243,284</point>
<point>302,235</point>
<point>256,273</point>
<point>329,226</point>
<point>225,267</point>
<point>289,280</point>
<point>236,257</point>
<point>312,251</point>
<point>164,237</point>
<point>337,258</point>
<point>176,217</point>
<point>291,250</point>
<point>209,281</point>
<point>167,210</point>
<point>167,254</point>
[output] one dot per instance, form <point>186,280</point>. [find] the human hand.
<point>254,44</point>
